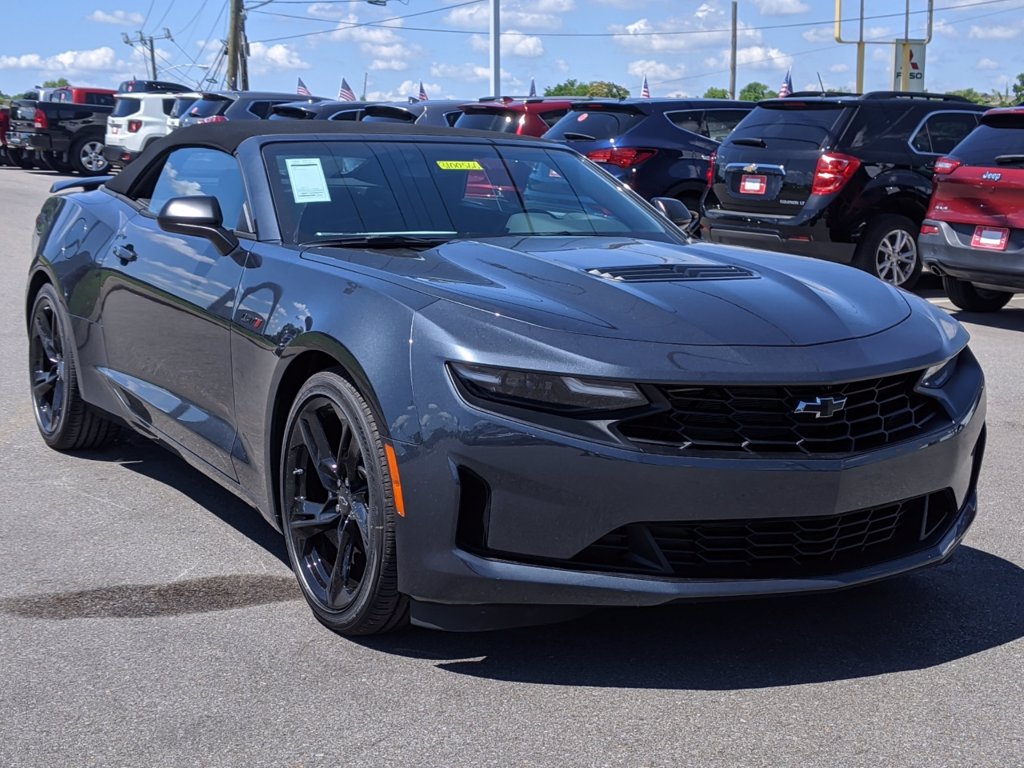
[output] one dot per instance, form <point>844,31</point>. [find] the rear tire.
<point>86,155</point>
<point>65,421</point>
<point>19,158</point>
<point>338,509</point>
<point>970,298</point>
<point>888,250</point>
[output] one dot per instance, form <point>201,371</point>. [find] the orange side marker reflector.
<point>396,481</point>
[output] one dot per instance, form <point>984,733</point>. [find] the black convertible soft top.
<point>227,136</point>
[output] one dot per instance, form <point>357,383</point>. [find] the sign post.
<point>908,65</point>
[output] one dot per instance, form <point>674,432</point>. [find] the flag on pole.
<point>786,89</point>
<point>533,88</point>
<point>345,92</point>
<point>423,93</point>
<point>301,89</point>
<point>645,92</point>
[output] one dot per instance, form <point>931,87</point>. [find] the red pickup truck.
<point>64,131</point>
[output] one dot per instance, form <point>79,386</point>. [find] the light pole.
<point>495,49</point>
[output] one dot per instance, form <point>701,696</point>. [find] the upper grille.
<point>652,273</point>
<point>774,548</point>
<point>763,419</point>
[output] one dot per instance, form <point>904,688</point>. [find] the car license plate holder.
<point>114,130</point>
<point>990,238</point>
<point>753,184</point>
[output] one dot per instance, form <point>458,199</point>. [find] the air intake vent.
<point>657,273</point>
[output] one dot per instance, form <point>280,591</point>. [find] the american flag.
<point>301,89</point>
<point>345,92</point>
<point>645,92</point>
<point>423,92</point>
<point>787,86</point>
<point>533,88</point>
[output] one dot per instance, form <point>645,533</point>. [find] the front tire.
<point>889,251</point>
<point>338,510</point>
<point>65,421</point>
<point>86,156</point>
<point>970,298</point>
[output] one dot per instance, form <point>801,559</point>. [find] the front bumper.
<point>498,512</point>
<point>949,252</point>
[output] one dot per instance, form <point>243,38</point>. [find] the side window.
<point>168,105</point>
<point>688,119</point>
<point>195,171</point>
<point>942,131</point>
<point>718,123</point>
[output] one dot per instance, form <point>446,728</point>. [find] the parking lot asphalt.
<point>148,618</point>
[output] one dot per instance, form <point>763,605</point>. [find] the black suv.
<point>660,147</point>
<point>843,178</point>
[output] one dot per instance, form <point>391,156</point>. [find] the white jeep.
<point>137,121</point>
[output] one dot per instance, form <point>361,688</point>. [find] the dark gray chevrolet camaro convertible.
<point>476,382</point>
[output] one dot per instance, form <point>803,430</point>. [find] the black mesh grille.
<point>656,273</point>
<point>774,548</point>
<point>764,419</point>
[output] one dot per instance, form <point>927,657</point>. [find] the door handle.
<point>125,253</point>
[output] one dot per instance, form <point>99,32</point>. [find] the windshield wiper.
<point>382,241</point>
<point>1009,159</point>
<point>750,142</point>
<point>578,136</point>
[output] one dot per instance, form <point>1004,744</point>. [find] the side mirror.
<point>677,212</point>
<point>200,217</point>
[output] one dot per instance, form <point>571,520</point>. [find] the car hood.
<point>699,294</point>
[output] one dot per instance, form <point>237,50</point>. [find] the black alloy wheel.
<point>65,421</point>
<point>338,509</point>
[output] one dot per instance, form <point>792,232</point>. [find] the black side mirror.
<point>677,212</point>
<point>198,216</point>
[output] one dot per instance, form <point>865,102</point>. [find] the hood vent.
<point>658,273</point>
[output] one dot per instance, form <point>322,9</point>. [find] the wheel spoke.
<point>315,439</point>
<point>45,335</point>
<point>312,517</point>
<point>352,461</point>
<point>361,515</point>
<point>43,382</point>
<point>341,581</point>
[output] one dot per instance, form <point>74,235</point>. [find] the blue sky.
<point>680,45</point>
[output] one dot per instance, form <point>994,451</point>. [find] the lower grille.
<point>777,548</point>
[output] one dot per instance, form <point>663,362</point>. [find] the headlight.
<point>546,392</point>
<point>937,376</point>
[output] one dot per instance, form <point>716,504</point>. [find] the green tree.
<point>1018,88</point>
<point>971,95</point>
<point>716,93</point>
<point>756,91</point>
<point>597,88</point>
<point>59,83</point>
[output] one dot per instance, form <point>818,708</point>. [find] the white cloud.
<point>818,35</point>
<point>755,57</point>
<point>512,44</point>
<point>993,33</point>
<point>706,28</point>
<point>781,7</point>
<point>944,29</point>
<point>839,68</point>
<point>101,59</point>
<point>655,70</point>
<point>383,46</point>
<point>265,58</point>
<point>986,63</point>
<point>533,14</point>
<point>120,18</point>
<point>469,73</point>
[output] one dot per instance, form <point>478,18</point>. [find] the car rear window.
<point>100,99</point>
<point>209,107</point>
<point>594,124</point>
<point>125,107</point>
<point>804,122</point>
<point>181,106</point>
<point>502,121</point>
<point>987,142</point>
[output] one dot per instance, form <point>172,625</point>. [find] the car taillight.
<point>39,120</point>
<point>134,126</point>
<point>946,165</point>
<point>832,173</point>
<point>214,119</point>
<point>710,175</point>
<point>623,157</point>
<point>929,229</point>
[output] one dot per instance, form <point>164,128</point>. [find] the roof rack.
<point>805,94</point>
<point>912,95</point>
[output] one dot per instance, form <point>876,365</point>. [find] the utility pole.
<point>234,43</point>
<point>147,42</point>
<point>732,55</point>
<point>495,49</point>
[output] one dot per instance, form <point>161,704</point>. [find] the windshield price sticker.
<point>459,165</point>
<point>306,176</point>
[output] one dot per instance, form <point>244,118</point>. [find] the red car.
<point>973,233</point>
<point>525,117</point>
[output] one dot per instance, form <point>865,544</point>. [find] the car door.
<point>167,305</point>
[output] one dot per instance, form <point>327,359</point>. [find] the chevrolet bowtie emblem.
<point>752,168</point>
<point>822,407</point>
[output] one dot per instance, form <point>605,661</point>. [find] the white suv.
<point>137,121</point>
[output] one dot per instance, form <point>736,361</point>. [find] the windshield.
<point>326,191</point>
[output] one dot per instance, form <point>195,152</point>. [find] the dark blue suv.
<point>660,147</point>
